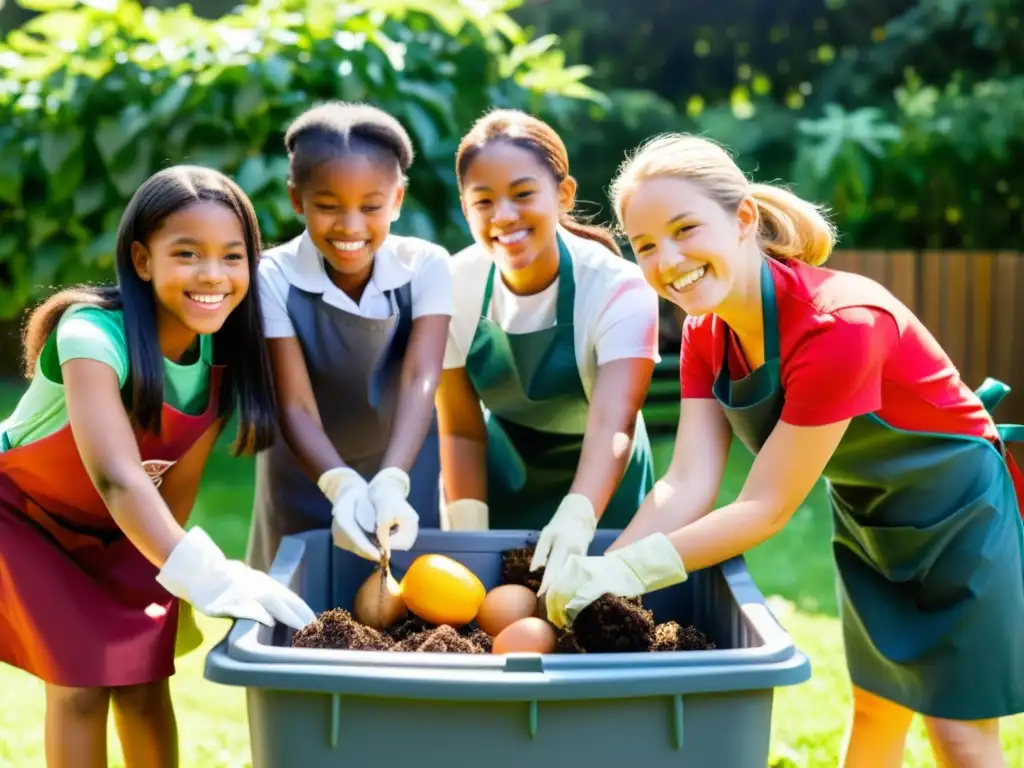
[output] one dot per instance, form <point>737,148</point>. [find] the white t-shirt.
<point>615,315</point>
<point>399,260</point>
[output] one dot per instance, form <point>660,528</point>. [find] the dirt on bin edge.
<point>609,625</point>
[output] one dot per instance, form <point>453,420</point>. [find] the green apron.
<point>927,541</point>
<point>536,413</point>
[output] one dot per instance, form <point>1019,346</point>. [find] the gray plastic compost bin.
<point>310,708</point>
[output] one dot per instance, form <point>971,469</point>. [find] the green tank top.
<point>97,334</point>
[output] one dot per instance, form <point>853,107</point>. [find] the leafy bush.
<point>97,95</point>
<point>905,118</point>
<point>937,171</point>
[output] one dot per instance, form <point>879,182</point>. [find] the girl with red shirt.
<point>825,373</point>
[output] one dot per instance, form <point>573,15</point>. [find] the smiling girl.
<point>550,354</point>
<point>356,319</point>
<point>101,463</point>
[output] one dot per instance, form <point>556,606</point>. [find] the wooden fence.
<point>972,301</point>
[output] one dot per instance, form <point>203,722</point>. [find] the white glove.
<point>465,515</point>
<point>353,515</point>
<point>570,532</point>
<point>388,492</point>
<point>644,566</point>
<point>198,572</point>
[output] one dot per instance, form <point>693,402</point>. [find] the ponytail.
<point>43,319</point>
<point>790,227</point>
<point>590,232</point>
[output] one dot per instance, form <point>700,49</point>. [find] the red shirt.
<point>848,348</point>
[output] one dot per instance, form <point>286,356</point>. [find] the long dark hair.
<point>239,345</point>
<point>539,138</point>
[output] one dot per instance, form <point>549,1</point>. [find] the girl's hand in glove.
<point>387,493</point>
<point>198,572</point>
<point>354,516</point>
<point>570,532</point>
<point>644,566</point>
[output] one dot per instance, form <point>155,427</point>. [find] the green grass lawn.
<point>794,570</point>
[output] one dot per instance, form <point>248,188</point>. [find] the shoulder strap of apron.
<point>566,287</point>
<point>991,393</point>
<point>769,312</point>
<point>769,319</point>
<point>400,301</point>
<point>206,349</point>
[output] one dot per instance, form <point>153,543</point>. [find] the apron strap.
<point>400,301</point>
<point>769,312</point>
<point>566,287</point>
<point>991,392</point>
<point>485,307</point>
<point>769,319</point>
<point>1011,433</point>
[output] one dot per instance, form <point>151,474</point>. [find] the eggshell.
<point>529,635</point>
<point>504,605</point>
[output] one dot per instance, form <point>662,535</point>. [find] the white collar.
<point>307,272</point>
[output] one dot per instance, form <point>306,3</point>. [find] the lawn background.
<point>794,570</point>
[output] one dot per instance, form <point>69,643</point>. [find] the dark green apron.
<point>536,412</point>
<point>927,541</point>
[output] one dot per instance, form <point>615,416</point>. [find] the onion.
<point>378,602</point>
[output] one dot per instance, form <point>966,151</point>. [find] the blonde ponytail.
<point>789,228</point>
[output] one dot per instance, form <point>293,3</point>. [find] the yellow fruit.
<point>442,591</point>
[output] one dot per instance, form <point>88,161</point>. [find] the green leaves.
<point>60,152</point>
<point>97,95</point>
<point>47,5</point>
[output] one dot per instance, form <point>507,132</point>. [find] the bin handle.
<point>524,662</point>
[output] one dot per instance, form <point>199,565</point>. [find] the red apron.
<point>79,604</point>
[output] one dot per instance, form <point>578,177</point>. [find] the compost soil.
<point>608,625</point>
<point>337,629</point>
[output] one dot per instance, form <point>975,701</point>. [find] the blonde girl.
<point>825,373</point>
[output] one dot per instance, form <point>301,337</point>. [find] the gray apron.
<point>353,364</point>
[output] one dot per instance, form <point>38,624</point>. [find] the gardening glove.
<point>353,514</point>
<point>570,532</point>
<point>465,515</point>
<point>644,566</point>
<point>198,572</point>
<point>397,521</point>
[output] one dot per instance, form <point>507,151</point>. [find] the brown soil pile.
<point>608,625</point>
<point>336,629</point>
<point>614,625</point>
<point>618,625</point>
<point>515,568</point>
<point>672,637</point>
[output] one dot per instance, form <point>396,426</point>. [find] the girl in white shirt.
<point>356,320</point>
<point>550,353</point>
